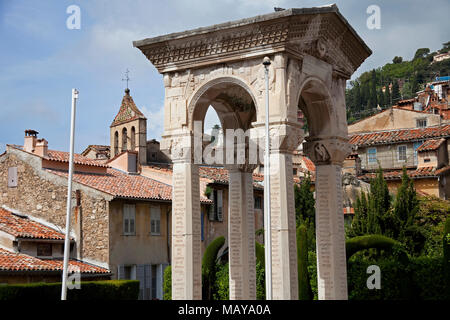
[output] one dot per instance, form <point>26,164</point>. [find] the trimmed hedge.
<point>209,267</point>
<point>90,290</point>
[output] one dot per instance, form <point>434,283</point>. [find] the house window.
<point>401,150</point>
<point>372,155</point>
<point>44,249</point>
<point>12,177</point>
<point>416,145</point>
<point>258,203</point>
<point>129,219</point>
<point>426,160</point>
<point>216,210</point>
<point>421,123</point>
<point>155,220</point>
<point>295,171</point>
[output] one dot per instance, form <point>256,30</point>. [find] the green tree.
<point>406,207</point>
<point>304,288</point>
<point>395,92</point>
<point>387,96</point>
<point>397,60</point>
<point>421,53</point>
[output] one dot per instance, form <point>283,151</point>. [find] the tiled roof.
<point>11,261</point>
<point>396,136</point>
<point>397,174</point>
<point>63,156</point>
<point>99,149</point>
<point>23,227</point>
<point>430,145</point>
<point>122,185</point>
<point>128,110</point>
<point>309,164</point>
<point>443,170</point>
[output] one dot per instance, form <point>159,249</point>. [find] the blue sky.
<point>41,60</point>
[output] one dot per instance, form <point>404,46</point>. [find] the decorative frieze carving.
<point>330,150</point>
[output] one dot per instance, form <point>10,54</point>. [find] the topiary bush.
<point>304,289</point>
<point>90,290</point>
<point>209,267</point>
<point>167,283</point>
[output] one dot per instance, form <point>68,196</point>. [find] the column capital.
<point>179,147</point>
<point>327,150</point>
<point>284,136</point>
<point>249,168</point>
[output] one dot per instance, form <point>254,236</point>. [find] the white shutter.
<point>140,275</point>
<point>155,218</point>
<point>120,272</point>
<point>148,282</point>
<point>129,219</point>
<point>220,205</point>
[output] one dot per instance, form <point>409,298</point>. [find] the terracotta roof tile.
<point>63,156</point>
<point>430,145</point>
<point>395,136</point>
<point>11,261</point>
<point>397,174</point>
<point>122,185</point>
<point>23,227</point>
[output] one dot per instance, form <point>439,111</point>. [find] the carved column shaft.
<point>328,155</point>
<point>186,233</point>
<point>241,236</point>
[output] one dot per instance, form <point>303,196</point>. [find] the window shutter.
<point>140,275</point>
<point>220,205</point>
<point>129,219</point>
<point>120,272</point>
<point>148,282</point>
<point>159,282</point>
<point>155,217</point>
<point>12,177</point>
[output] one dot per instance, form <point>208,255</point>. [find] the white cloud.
<point>155,122</point>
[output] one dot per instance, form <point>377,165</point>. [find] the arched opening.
<point>124,139</point>
<point>116,143</point>
<point>225,104</point>
<point>314,102</point>
<point>133,139</point>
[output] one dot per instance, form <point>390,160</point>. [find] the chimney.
<point>41,147</point>
<point>30,140</point>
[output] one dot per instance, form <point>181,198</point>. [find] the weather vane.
<point>126,77</point>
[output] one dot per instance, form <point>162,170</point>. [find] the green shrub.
<point>90,290</point>
<point>260,254</point>
<point>209,267</point>
<point>167,283</point>
<point>375,241</point>
<point>446,254</point>
<point>222,282</point>
<point>304,289</point>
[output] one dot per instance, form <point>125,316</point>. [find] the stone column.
<point>241,234</point>
<point>284,139</point>
<point>186,225</point>
<point>328,155</point>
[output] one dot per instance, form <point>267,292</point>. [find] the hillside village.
<point>123,191</point>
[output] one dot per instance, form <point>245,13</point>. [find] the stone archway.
<point>313,52</point>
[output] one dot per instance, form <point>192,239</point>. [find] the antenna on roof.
<point>127,78</point>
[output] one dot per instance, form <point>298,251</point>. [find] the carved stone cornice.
<point>321,32</point>
<point>327,150</point>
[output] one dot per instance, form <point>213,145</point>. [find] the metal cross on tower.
<point>126,77</point>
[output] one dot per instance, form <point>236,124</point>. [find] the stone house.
<point>120,219</point>
<point>423,151</point>
<point>31,251</point>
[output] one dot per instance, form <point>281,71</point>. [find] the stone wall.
<point>42,195</point>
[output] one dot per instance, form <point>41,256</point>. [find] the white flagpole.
<point>69,197</point>
<point>267,222</point>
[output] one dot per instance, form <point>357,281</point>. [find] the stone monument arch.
<point>313,51</point>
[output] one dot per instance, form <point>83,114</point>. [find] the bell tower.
<point>128,131</point>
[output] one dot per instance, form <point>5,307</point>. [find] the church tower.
<point>128,130</point>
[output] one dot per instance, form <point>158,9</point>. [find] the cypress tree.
<point>304,289</point>
<point>304,202</point>
<point>395,92</point>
